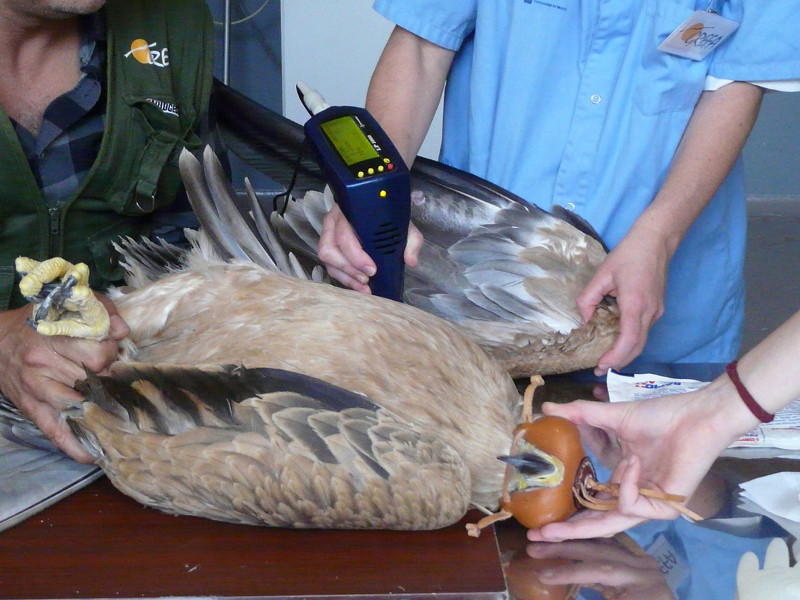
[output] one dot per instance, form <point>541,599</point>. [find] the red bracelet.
<point>750,402</point>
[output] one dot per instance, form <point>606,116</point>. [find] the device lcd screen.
<point>348,139</point>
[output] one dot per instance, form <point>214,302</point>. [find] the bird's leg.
<point>64,304</point>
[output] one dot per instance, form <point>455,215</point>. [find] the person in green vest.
<point>97,99</point>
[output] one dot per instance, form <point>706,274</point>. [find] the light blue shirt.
<point>569,102</point>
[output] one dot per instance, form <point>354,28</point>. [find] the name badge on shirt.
<point>698,35</point>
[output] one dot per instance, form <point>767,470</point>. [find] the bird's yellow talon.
<point>75,312</point>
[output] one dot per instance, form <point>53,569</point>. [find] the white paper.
<point>783,433</point>
<point>776,496</point>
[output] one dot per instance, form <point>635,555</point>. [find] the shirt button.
<point>596,99</point>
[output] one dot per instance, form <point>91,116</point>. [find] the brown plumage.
<point>420,412</point>
<point>269,448</point>
<point>419,367</point>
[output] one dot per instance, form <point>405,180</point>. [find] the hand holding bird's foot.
<point>64,304</point>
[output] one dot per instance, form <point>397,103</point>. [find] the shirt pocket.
<point>667,83</point>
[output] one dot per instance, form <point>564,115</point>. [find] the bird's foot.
<point>64,304</point>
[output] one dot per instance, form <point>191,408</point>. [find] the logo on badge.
<point>692,32</point>
<point>148,54</point>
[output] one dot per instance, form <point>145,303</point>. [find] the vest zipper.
<point>54,216</point>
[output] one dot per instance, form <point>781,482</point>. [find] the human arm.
<point>635,271</point>
<point>669,443</point>
<point>37,371</point>
<point>403,95</point>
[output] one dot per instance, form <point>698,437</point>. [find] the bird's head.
<point>532,468</point>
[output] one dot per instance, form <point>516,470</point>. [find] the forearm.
<point>770,374</point>
<point>770,370</point>
<point>713,140</point>
<point>406,87</point>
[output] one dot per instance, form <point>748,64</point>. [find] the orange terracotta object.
<point>559,437</point>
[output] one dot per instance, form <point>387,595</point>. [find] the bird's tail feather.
<point>230,233</point>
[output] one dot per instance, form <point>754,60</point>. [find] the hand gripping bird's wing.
<point>505,270</point>
<point>265,446</point>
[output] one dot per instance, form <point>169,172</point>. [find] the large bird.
<point>250,395</point>
<point>400,426</point>
<point>342,410</point>
<point>506,271</point>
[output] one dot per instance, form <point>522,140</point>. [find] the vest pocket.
<point>164,129</point>
<point>106,269</point>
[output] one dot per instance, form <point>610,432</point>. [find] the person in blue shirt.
<point>572,102</point>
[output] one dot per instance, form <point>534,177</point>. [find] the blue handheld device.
<point>371,184</point>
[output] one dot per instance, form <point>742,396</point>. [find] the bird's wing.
<point>265,446</point>
<point>17,427</point>
<point>504,269</point>
<point>507,271</point>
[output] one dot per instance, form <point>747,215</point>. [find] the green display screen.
<point>348,139</point>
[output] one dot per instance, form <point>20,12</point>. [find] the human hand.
<point>635,272</point>
<point>667,445</point>
<point>345,259</point>
<point>604,565</point>
<point>37,372</point>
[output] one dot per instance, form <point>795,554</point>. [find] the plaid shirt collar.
<point>72,125</point>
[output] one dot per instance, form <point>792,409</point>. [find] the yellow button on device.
<point>361,173</point>
<point>382,194</point>
<point>371,171</point>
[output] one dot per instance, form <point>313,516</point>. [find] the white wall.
<point>333,45</point>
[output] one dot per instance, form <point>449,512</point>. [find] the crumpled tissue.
<point>776,496</point>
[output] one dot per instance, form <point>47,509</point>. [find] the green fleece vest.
<point>160,62</point>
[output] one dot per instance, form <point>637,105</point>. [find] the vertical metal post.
<point>226,55</point>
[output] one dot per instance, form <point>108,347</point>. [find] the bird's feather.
<point>412,363</point>
<point>466,222</point>
<point>268,447</point>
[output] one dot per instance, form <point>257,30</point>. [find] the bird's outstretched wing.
<point>265,446</point>
<point>505,270</point>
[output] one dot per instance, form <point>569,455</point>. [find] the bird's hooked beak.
<point>533,469</point>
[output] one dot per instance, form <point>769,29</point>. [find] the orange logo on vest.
<point>148,54</point>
